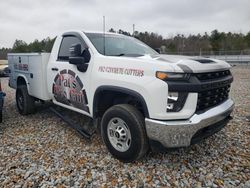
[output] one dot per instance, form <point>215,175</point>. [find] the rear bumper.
<point>182,133</point>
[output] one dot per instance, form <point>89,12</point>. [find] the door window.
<point>67,42</point>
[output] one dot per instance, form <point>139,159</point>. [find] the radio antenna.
<point>133,30</point>
<point>104,51</point>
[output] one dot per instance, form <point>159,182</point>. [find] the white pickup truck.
<point>143,99</point>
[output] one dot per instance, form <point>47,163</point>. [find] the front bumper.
<point>179,133</point>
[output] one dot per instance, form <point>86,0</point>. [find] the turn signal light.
<point>169,76</point>
<point>161,75</point>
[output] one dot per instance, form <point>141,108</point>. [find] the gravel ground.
<point>40,150</point>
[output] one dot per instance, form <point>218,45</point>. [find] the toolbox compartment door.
<point>37,76</point>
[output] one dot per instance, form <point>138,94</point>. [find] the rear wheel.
<point>123,132</point>
<point>25,103</point>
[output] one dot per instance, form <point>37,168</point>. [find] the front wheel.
<point>25,103</point>
<point>123,132</point>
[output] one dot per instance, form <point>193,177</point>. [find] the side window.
<point>65,45</point>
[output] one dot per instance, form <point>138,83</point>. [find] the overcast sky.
<point>37,19</point>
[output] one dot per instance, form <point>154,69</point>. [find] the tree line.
<point>214,42</point>
<point>21,46</point>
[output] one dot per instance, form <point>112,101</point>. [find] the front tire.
<point>25,103</point>
<point>123,132</point>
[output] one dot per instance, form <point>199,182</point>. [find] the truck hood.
<point>190,64</point>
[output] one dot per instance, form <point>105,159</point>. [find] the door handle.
<point>54,69</point>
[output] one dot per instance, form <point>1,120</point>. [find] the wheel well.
<point>21,81</point>
<point>104,99</point>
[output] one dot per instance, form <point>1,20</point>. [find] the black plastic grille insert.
<point>211,98</point>
<point>212,75</point>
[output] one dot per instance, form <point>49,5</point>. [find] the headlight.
<point>169,76</point>
<point>175,100</point>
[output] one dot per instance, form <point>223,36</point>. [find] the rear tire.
<point>25,103</point>
<point>123,132</point>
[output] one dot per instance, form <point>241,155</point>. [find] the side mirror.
<point>75,56</point>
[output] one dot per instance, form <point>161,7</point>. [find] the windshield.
<point>119,45</point>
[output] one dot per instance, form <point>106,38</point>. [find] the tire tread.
<point>29,101</point>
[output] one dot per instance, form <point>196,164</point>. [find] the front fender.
<point>127,91</point>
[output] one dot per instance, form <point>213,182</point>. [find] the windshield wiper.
<point>120,55</point>
<point>129,55</point>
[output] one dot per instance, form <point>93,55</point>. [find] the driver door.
<point>68,84</point>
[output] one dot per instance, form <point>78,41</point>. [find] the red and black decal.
<point>68,89</point>
<point>22,67</point>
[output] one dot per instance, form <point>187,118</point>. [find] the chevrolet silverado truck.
<point>142,99</point>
